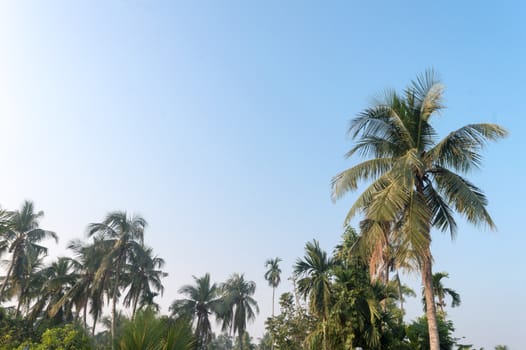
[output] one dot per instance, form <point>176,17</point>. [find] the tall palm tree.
<point>238,300</point>
<point>416,181</point>
<point>273,276</point>
<point>314,273</point>
<point>143,275</point>
<point>21,237</point>
<point>441,292</point>
<point>202,300</point>
<point>125,235</point>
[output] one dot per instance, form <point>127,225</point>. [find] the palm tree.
<point>202,300</point>
<point>416,181</point>
<point>58,279</point>
<point>125,235</point>
<point>314,273</point>
<point>143,275</point>
<point>21,238</point>
<point>26,280</point>
<point>87,288</point>
<point>441,292</point>
<point>273,276</point>
<point>241,306</point>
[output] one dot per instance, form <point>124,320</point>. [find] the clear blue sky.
<point>222,123</point>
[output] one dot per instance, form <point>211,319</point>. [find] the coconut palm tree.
<point>26,280</point>
<point>87,289</point>
<point>143,276</point>
<point>238,300</point>
<point>125,235</point>
<point>417,182</point>
<point>273,276</point>
<point>58,279</point>
<point>21,236</point>
<point>441,292</point>
<point>202,300</point>
<point>314,273</point>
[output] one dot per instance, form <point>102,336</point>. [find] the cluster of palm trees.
<point>416,181</point>
<point>231,303</point>
<point>114,263</point>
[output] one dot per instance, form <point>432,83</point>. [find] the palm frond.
<point>467,199</point>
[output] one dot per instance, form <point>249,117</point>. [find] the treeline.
<point>113,267</point>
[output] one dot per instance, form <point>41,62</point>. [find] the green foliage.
<point>290,328</point>
<point>221,342</point>
<point>69,337</point>
<point>418,334</point>
<point>149,332</point>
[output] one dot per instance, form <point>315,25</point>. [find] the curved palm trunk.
<point>7,277</point>
<point>431,313</point>
<point>94,325</point>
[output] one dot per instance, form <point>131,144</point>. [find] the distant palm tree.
<point>416,181</point>
<point>87,288</point>
<point>273,276</point>
<point>58,279</point>
<point>143,276</point>
<point>441,292</point>
<point>239,305</point>
<point>21,236</point>
<point>314,273</point>
<point>202,300</point>
<point>26,280</point>
<point>125,235</point>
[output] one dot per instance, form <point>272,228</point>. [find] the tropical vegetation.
<point>104,295</point>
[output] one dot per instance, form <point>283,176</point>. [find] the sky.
<point>223,122</point>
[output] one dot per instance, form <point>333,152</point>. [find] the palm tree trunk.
<point>114,305</point>
<point>7,276</point>
<point>431,313</point>
<point>135,301</point>
<point>401,296</point>
<point>324,325</point>
<point>18,305</point>
<point>85,316</point>
<point>240,340</point>
<point>94,325</point>
<point>273,294</point>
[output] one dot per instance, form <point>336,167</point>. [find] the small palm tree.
<point>314,273</point>
<point>21,236</point>
<point>273,276</point>
<point>239,307</point>
<point>202,300</point>
<point>441,292</point>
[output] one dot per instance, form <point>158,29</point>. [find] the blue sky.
<point>222,124</point>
